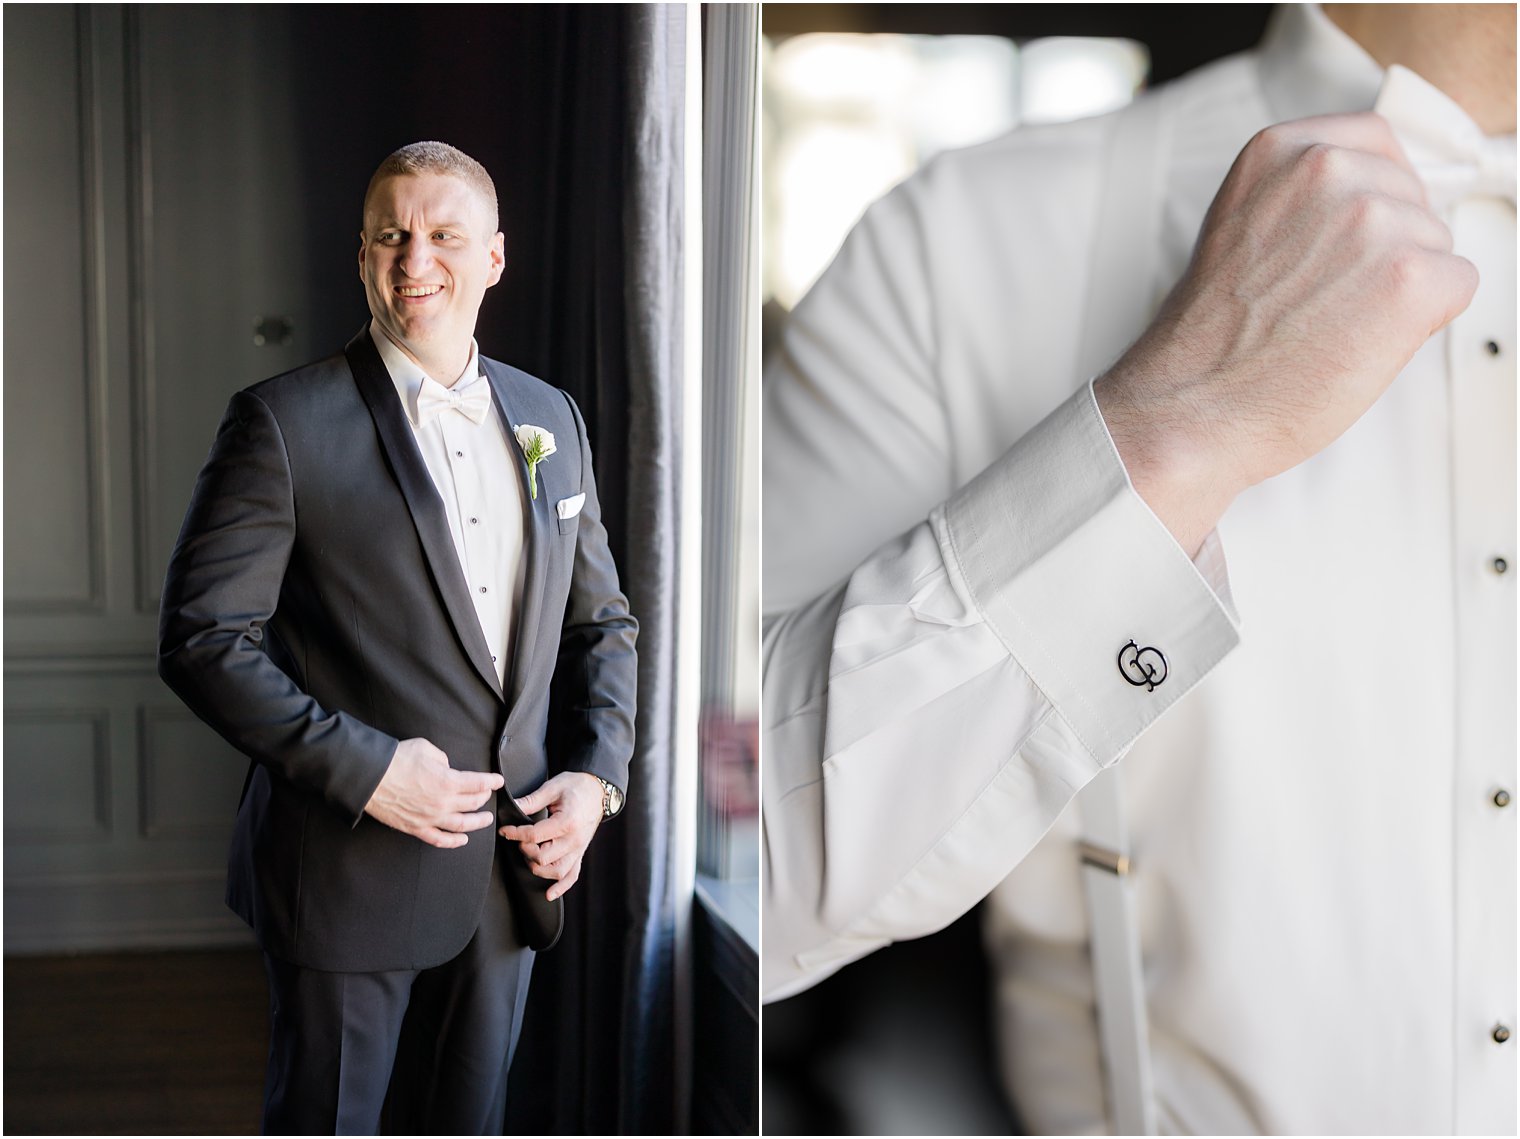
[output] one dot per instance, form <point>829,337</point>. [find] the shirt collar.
<point>1447,148</point>
<point>1310,67</point>
<point>408,375</point>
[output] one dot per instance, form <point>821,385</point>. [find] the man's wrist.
<point>612,797</point>
<point>1166,460</point>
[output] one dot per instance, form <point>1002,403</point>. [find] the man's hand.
<point>555,846</point>
<point>421,795</point>
<point>1318,273</point>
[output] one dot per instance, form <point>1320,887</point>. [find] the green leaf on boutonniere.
<point>537,445</point>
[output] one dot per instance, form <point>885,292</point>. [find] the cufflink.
<point>1144,668</point>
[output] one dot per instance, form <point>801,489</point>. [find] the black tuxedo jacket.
<point>315,613</point>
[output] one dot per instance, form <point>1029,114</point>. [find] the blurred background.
<point>182,203</point>
<point>855,98</point>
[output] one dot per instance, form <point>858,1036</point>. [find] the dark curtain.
<point>576,111</point>
<point>602,1000</point>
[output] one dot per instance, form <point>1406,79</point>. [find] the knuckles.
<point>1323,164</point>
<point>1269,143</point>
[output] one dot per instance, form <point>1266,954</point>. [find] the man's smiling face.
<point>427,255</point>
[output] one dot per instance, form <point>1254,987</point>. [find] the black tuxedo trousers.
<point>447,1033</point>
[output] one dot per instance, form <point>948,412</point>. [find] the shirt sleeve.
<point>929,715</point>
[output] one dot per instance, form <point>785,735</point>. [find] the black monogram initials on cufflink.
<point>1144,668</point>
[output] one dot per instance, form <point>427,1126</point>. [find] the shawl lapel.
<point>518,405</point>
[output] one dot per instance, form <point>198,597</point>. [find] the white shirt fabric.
<point>474,469</point>
<point>954,558</point>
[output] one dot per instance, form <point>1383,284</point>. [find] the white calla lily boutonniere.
<point>537,445</point>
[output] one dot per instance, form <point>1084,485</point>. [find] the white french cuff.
<point>1067,564</point>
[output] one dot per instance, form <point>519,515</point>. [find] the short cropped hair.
<point>436,158</point>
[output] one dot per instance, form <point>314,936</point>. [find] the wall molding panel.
<point>68,913</point>
<point>189,779</point>
<point>143,370</point>
<point>81,117</point>
<point>119,803</point>
<point>59,761</point>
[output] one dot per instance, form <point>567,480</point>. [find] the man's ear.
<point>498,258</point>
<point>361,254</point>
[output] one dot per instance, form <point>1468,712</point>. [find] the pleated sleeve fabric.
<point>947,587</point>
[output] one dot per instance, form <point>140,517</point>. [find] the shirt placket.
<point>461,438</point>
<point>1481,357</point>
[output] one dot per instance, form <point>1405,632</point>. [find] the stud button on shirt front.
<point>483,495</point>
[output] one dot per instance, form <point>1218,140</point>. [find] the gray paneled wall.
<point>153,217</point>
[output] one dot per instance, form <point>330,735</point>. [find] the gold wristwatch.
<point>612,798</point>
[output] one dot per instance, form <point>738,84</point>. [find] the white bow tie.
<point>469,397</point>
<point>1453,157</point>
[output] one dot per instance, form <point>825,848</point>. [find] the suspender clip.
<point>1105,859</point>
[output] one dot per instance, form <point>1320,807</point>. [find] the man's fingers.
<point>532,852</point>
<point>468,801</point>
<point>473,782</point>
<point>544,853</point>
<point>553,827</point>
<point>1417,224</point>
<point>1362,130</point>
<point>542,831</point>
<point>471,822</point>
<point>552,871</point>
<point>448,831</point>
<point>421,795</point>
<point>1455,280</point>
<point>551,854</point>
<point>552,859</point>
<point>443,839</point>
<point>535,801</point>
<point>528,832</point>
<point>560,888</point>
<point>1324,166</point>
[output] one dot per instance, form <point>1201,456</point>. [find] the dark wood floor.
<point>135,1043</point>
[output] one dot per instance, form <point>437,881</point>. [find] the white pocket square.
<point>570,507</point>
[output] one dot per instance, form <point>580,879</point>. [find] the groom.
<point>392,591</point>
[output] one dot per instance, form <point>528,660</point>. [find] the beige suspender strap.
<point>1118,981</point>
<point>1121,296</point>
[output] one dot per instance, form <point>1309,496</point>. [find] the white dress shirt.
<point>475,470</point>
<point>954,558</point>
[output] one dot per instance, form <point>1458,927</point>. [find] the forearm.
<point>928,720</point>
<point>247,700</point>
<point>595,686</point>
